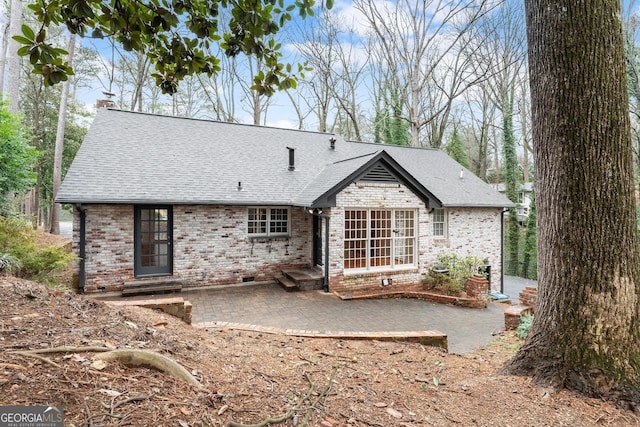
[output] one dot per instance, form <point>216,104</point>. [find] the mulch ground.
<point>249,378</point>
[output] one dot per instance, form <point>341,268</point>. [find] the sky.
<point>281,113</point>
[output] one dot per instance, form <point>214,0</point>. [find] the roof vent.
<point>379,173</point>
<point>332,142</point>
<point>292,162</point>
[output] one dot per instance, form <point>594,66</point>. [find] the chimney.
<point>292,163</point>
<point>332,142</point>
<point>106,103</point>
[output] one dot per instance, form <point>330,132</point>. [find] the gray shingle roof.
<point>131,157</point>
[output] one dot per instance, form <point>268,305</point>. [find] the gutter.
<point>82,275</point>
<point>325,284</point>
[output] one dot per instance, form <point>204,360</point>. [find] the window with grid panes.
<point>278,221</point>
<point>268,221</point>
<point>404,237</point>
<point>439,217</point>
<point>379,238</point>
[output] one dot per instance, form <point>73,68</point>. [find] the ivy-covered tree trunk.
<point>510,166</point>
<point>530,242</point>
<point>586,333</point>
<point>456,149</point>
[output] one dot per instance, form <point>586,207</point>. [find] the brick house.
<point>161,199</point>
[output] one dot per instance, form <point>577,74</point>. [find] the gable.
<point>379,167</point>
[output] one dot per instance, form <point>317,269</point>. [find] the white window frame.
<point>401,237</point>
<point>440,225</point>
<point>265,221</point>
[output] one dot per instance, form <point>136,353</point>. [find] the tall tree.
<point>455,148</point>
<point>480,117</point>
<point>395,127</point>
<point>510,172</point>
<point>631,29</point>
<point>530,255</point>
<point>17,156</point>
<point>586,332</point>
<point>421,44</point>
<point>13,60</point>
<point>3,52</point>
<point>59,146</point>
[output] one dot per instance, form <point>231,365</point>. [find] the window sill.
<point>269,238</point>
<point>380,270</point>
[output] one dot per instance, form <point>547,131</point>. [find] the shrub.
<point>30,258</point>
<point>8,263</point>
<point>442,283</point>
<point>460,269</point>
<point>525,324</point>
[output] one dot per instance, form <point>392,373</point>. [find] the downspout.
<point>502,250</point>
<point>82,277</point>
<point>325,284</point>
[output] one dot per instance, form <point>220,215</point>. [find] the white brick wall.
<point>470,232</point>
<point>211,245</point>
<point>109,245</point>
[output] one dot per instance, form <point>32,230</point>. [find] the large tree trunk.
<point>13,60</point>
<point>586,332</point>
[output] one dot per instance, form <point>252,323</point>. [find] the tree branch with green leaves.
<point>174,34</point>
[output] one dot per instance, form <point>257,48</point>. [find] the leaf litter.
<point>251,377</point>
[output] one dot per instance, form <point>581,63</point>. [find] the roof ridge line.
<point>196,119</point>
<point>357,157</point>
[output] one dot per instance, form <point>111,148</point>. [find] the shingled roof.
<point>138,158</point>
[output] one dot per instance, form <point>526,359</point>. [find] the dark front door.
<point>153,241</point>
<point>317,240</point>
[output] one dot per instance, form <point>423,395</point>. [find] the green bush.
<point>30,258</point>
<point>442,283</point>
<point>525,324</point>
<point>461,268</point>
<point>8,263</point>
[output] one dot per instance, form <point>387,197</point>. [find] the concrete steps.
<point>146,287</point>
<point>301,279</point>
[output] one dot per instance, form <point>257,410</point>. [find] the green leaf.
<point>24,50</point>
<point>34,56</point>
<point>23,40</point>
<point>28,32</point>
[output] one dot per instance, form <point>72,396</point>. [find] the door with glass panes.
<point>153,241</point>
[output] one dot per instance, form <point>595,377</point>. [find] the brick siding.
<point>471,231</point>
<point>211,245</point>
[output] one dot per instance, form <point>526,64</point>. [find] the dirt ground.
<point>248,377</point>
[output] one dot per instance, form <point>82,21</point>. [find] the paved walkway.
<point>270,306</point>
